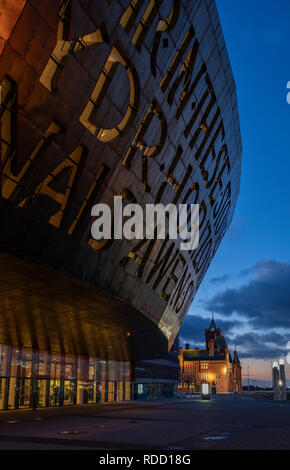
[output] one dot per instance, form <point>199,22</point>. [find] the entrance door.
<point>112,392</point>
<point>69,394</point>
<point>89,395</point>
<point>23,393</point>
<point>54,393</point>
<point>86,392</point>
<point>42,391</point>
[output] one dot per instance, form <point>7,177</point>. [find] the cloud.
<point>269,345</point>
<point>219,279</point>
<point>192,330</point>
<point>264,268</point>
<point>264,300</point>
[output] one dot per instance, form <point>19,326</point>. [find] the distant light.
<point>225,370</point>
<point>280,382</point>
<point>128,333</point>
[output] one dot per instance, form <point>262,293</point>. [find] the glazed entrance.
<point>35,379</point>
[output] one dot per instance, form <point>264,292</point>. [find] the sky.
<point>248,283</point>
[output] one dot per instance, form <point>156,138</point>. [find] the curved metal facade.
<point>104,98</point>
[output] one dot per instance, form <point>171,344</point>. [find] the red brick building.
<point>213,365</point>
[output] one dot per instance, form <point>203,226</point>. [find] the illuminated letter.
<point>10,183</point>
<point>107,135</point>
<point>64,48</point>
<point>130,15</point>
<point>73,164</point>
<point>138,142</point>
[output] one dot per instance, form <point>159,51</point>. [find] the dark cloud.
<point>268,345</point>
<point>264,301</point>
<point>192,330</point>
<point>265,268</point>
<point>260,346</point>
<point>219,279</point>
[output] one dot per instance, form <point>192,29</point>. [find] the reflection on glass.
<point>32,378</point>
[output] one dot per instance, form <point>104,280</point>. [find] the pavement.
<point>223,423</point>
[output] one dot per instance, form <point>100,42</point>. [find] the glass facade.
<point>34,379</point>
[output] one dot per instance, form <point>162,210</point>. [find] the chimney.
<point>186,345</point>
<point>211,347</point>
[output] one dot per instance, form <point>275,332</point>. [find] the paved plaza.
<point>222,423</point>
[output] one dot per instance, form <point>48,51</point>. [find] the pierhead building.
<point>214,365</point>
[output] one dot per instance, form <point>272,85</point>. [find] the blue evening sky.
<point>248,282</point>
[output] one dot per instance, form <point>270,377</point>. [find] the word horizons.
<point>155,222</point>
